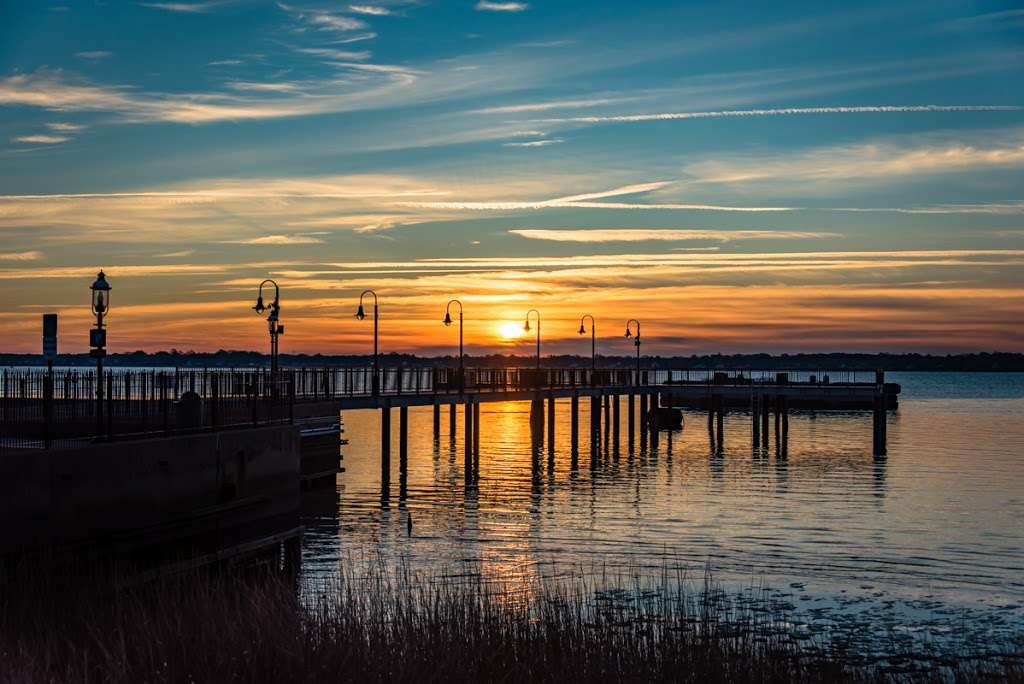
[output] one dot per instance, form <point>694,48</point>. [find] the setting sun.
<point>509,330</point>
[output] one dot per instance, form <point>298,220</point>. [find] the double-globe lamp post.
<point>361,315</point>
<point>636,341</point>
<point>274,326</point>
<point>98,339</point>
<point>447,322</point>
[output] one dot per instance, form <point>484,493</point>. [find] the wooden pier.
<point>42,409</point>
<point>52,416</point>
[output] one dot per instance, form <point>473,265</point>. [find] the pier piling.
<point>403,439</point>
<point>551,425</point>
<point>385,442</point>
<point>437,420</point>
<point>879,426</point>
<point>575,410</point>
<point>755,420</point>
<point>468,437</point>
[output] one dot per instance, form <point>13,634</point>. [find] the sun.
<point>509,330</point>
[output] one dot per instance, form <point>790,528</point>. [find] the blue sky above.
<point>639,156</point>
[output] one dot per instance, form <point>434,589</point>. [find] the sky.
<point>739,177</point>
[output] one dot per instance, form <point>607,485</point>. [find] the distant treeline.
<point>995,361</point>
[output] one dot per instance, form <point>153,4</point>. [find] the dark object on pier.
<point>188,411</point>
<point>664,418</point>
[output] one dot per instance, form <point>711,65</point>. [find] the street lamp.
<point>361,315</point>
<point>274,326</point>
<point>448,321</point>
<point>636,341</point>
<point>526,327</point>
<point>593,344</point>
<point>98,339</point>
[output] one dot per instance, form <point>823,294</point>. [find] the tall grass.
<point>400,625</point>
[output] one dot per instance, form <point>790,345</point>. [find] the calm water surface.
<point>927,541</point>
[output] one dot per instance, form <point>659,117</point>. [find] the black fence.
<point>49,408</point>
<point>62,407</point>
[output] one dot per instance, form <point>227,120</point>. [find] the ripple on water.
<point>925,543</point>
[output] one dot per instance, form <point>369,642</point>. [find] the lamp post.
<point>526,327</point>
<point>274,326</point>
<point>636,341</point>
<point>98,339</point>
<point>593,343</point>
<point>361,315</point>
<point>448,321</point>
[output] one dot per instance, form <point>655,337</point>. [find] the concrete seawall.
<point>206,490</point>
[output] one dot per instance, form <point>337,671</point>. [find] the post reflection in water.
<point>820,511</point>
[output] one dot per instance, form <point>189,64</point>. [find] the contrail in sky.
<point>739,113</point>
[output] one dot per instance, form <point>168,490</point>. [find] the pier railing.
<point>45,408</point>
<point>60,407</point>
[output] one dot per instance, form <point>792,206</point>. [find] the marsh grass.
<point>375,623</point>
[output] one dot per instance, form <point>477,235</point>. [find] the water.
<point>925,545</point>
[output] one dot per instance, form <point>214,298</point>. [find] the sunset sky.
<point>738,176</point>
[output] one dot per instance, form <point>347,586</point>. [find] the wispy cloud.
<point>867,162</point>
<point>184,7</point>
<point>280,87</point>
<point>1004,19</point>
<point>51,90</point>
<point>586,201</point>
<point>785,111</point>
<point>21,256</point>
<point>997,208</point>
<point>489,6</point>
<point>659,234</point>
<point>41,139</point>
<point>336,55</point>
<point>94,54</point>
<point>534,143</point>
<point>371,10</point>
<point>65,127</point>
<point>279,240</point>
<point>324,20</point>
<point>553,104</point>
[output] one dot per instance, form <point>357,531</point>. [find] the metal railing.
<point>57,408</point>
<point>46,408</point>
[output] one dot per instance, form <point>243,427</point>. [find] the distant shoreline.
<point>975,362</point>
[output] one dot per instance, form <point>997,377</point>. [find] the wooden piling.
<point>720,421</point>
<point>551,425</point>
<point>476,432</point>
<point>403,439</point>
<point>437,419</point>
<point>879,426</point>
<point>755,420</point>
<point>468,437</point>
<point>575,410</point>
<point>385,441</point>
<point>452,409</point>
<point>785,425</point>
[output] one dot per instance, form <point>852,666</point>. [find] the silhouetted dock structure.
<point>224,445</point>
